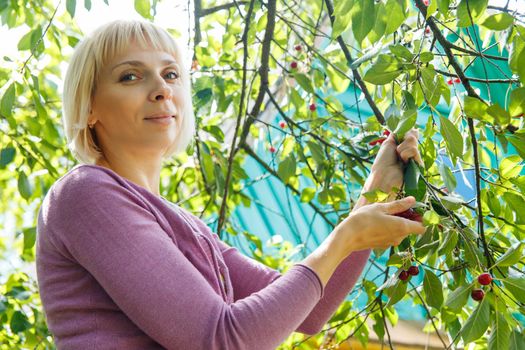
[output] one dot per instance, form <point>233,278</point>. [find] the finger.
<point>408,153</point>
<point>412,132</point>
<point>410,143</point>
<point>398,206</point>
<point>390,139</point>
<point>406,227</point>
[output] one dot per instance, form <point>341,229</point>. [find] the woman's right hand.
<point>376,226</point>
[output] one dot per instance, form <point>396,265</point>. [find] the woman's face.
<point>138,102</point>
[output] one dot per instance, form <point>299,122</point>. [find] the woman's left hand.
<point>388,165</point>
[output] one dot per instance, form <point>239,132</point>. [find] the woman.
<point>120,267</point>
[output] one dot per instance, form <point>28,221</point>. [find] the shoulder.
<point>87,186</point>
<point>85,178</point>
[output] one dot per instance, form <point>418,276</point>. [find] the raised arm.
<point>115,237</point>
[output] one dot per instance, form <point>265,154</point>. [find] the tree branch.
<point>233,149</point>
<point>209,11</point>
<point>263,70</point>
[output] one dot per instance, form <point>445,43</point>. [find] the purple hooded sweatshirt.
<point>121,268</point>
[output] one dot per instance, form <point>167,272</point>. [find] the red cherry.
<point>427,30</point>
<point>386,132</point>
<point>272,149</point>
<point>457,80</point>
<point>282,124</point>
<point>293,65</point>
<point>298,47</point>
<point>450,81</point>
<point>477,294</point>
<point>413,270</point>
<point>485,279</point>
<point>377,141</point>
<point>403,275</point>
<point>312,107</point>
<point>410,214</point>
<point>426,2</point>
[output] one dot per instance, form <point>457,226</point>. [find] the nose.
<point>161,91</point>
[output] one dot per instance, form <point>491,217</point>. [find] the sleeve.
<point>113,235</point>
<point>249,276</point>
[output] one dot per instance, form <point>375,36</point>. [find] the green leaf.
<point>317,152</point>
<point>396,16</point>
<point>386,69</point>
<point>458,297</point>
<point>19,322</point>
<point>517,340</point>
<point>24,186</point>
<point>499,21</point>
<point>448,177</point>
<point>518,141</point>
<point>398,259</point>
<point>407,122</point>
<point>6,104</point>
<point>401,52</point>
<point>470,9</point>
<point>499,336</point>
<point>70,6</point>
<point>452,203</point>
<point>500,115</point>
<point>87,5</point>
<point>433,289</point>
<point>443,6</point>
<point>511,256</point>
<point>521,66</point>
<point>517,102</point>
<point>304,82</point>
<point>287,168</point>
<point>430,218</point>
<point>453,139</point>
<point>362,19</point>
<point>341,23</point>
<point>426,57</point>
<point>29,237</point>
<point>6,156</point>
<point>432,7</point>
<point>379,24</point>
<point>516,285</point>
<point>411,178</point>
<point>375,196</point>
<point>476,109</point>
<point>477,323</point>
<point>396,292</point>
<point>510,166</point>
<point>429,87</point>
<point>515,50</point>
<point>25,42</point>
<point>307,194</point>
<point>143,7</point>
<point>449,242</point>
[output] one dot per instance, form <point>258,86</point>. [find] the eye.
<point>172,75</point>
<point>128,77</point>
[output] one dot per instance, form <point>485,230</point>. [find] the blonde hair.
<point>89,58</point>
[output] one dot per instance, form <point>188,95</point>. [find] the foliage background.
<point>454,68</point>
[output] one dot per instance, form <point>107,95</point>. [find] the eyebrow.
<point>136,63</point>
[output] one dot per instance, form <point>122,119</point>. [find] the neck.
<point>141,172</point>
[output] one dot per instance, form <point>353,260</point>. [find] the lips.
<point>160,117</point>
